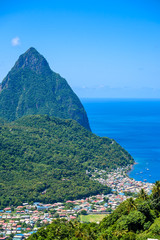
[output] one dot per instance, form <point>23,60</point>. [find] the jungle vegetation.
<point>45,159</point>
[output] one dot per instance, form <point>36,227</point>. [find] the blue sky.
<point>102,48</point>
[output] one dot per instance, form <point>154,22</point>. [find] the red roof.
<point>72,217</point>
<point>7,208</point>
<point>20,207</point>
<point>36,211</point>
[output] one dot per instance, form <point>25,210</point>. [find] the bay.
<point>135,125</point>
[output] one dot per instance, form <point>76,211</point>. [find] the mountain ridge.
<point>32,59</point>
<point>31,87</point>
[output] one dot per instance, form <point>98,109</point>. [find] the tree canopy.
<point>45,159</point>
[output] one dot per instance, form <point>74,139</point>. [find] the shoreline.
<point>140,174</point>
<point>131,168</point>
<point>135,133</point>
<point>118,180</point>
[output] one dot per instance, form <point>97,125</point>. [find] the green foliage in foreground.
<point>61,229</point>
<point>45,159</point>
<point>133,220</point>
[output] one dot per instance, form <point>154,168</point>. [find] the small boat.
<point>147,169</point>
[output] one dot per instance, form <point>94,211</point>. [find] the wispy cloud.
<point>15,41</point>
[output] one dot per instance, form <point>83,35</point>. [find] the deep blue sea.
<point>135,125</point>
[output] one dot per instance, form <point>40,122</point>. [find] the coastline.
<point>119,181</point>
<point>131,168</point>
<point>143,178</point>
<point>135,126</point>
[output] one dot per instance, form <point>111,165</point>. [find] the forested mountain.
<point>40,153</point>
<point>137,219</point>
<point>31,87</point>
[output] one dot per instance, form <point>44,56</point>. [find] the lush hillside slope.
<point>132,220</point>
<point>45,153</point>
<point>31,87</point>
<point>135,219</point>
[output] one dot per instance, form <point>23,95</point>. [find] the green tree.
<point>156,189</point>
<point>142,194</point>
<point>84,212</point>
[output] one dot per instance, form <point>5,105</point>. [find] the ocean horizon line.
<point>113,98</point>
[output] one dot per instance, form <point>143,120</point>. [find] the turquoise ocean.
<point>135,125</point>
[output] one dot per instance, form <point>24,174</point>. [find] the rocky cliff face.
<point>31,87</point>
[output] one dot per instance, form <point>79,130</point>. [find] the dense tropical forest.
<point>41,153</point>
<point>31,87</point>
<point>134,219</point>
<point>44,158</point>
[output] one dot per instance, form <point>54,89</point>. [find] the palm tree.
<point>78,230</point>
<point>120,233</point>
<point>131,204</point>
<point>143,194</point>
<point>156,189</point>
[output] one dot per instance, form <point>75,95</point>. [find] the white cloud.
<point>15,41</point>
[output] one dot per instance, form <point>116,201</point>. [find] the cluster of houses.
<point>119,181</point>
<point>20,222</point>
<point>125,184</point>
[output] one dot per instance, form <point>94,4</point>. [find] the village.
<point>20,222</point>
<point>119,181</point>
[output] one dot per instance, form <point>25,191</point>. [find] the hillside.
<point>31,87</point>
<point>40,153</point>
<point>133,220</point>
